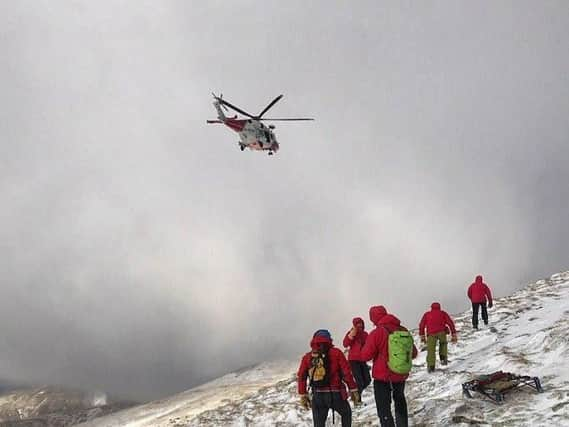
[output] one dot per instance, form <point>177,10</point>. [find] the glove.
<point>454,338</point>
<point>490,304</point>
<point>423,339</point>
<point>356,398</point>
<point>305,401</point>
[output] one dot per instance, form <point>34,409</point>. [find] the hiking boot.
<point>444,361</point>
<point>430,369</point>
<point>475,327</point>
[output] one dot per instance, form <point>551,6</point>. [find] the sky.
<point>143,252</point>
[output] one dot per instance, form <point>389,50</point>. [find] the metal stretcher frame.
<point>496,385</point>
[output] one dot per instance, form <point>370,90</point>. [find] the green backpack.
<point>400,350</point>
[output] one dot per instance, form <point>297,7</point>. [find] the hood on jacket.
<point>357,320</point>
<point>321,338</point>
<point>389,321</point>
<point>376,313</point>
<point>435,306</point>
<point>478,279</point>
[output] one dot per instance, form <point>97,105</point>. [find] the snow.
<point>222,391</point>
<point>53,406</point>
<point>527,335</point>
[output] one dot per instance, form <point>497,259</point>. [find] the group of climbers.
<point>326,371</point>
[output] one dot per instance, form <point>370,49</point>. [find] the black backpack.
<point>319,371</point>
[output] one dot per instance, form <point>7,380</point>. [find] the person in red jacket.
<point>479,294</point>
<point>329,372</point>
<point>437,323</point>
<point>386,383</point>
<point>354,340</point>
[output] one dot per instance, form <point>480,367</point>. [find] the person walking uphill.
<point>354,340</point>
<point>328,371</point>
<point>391,348</point>
<point>437,323</point>
<point>479,294</point>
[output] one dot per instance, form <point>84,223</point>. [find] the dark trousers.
<point>322,402</point>
<point>383,392</point>
<point>360,371</point>
<point>475,307</point>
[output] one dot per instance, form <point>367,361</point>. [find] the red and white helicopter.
<point>253,133</point>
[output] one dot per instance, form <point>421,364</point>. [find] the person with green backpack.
<point>392,349</point>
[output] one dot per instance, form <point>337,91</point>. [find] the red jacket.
<point>376,348</point>
<point>340,371</point>
<point>478,291</point>
<point>356,344</point>
<point>436,321</point>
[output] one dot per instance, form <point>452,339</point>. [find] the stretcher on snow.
<point>496,385</point>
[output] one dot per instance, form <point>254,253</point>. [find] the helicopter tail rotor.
<point>219,99</point>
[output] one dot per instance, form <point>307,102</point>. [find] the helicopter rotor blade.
<point>233,107</point>
<point>226,104</point>
<point>273,102</point>
<point>293,119</point>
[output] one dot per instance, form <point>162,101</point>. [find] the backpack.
<point>400,352</point>
<point>319,371</point>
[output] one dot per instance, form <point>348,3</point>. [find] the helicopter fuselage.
<point>253,134</point>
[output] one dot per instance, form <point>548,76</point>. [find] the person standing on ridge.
<point>391,348</point>
<point>479,294</point>
<point>354,340</point>
<point>437,323</point>
<point>328,371</point>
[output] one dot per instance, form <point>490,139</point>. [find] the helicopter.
<point>253,133</point>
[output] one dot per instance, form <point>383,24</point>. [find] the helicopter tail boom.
<point>220,114</point>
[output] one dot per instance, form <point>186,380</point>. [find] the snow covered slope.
<point>531,336</point>
<point>53,407</point>
<point>176,410</point>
